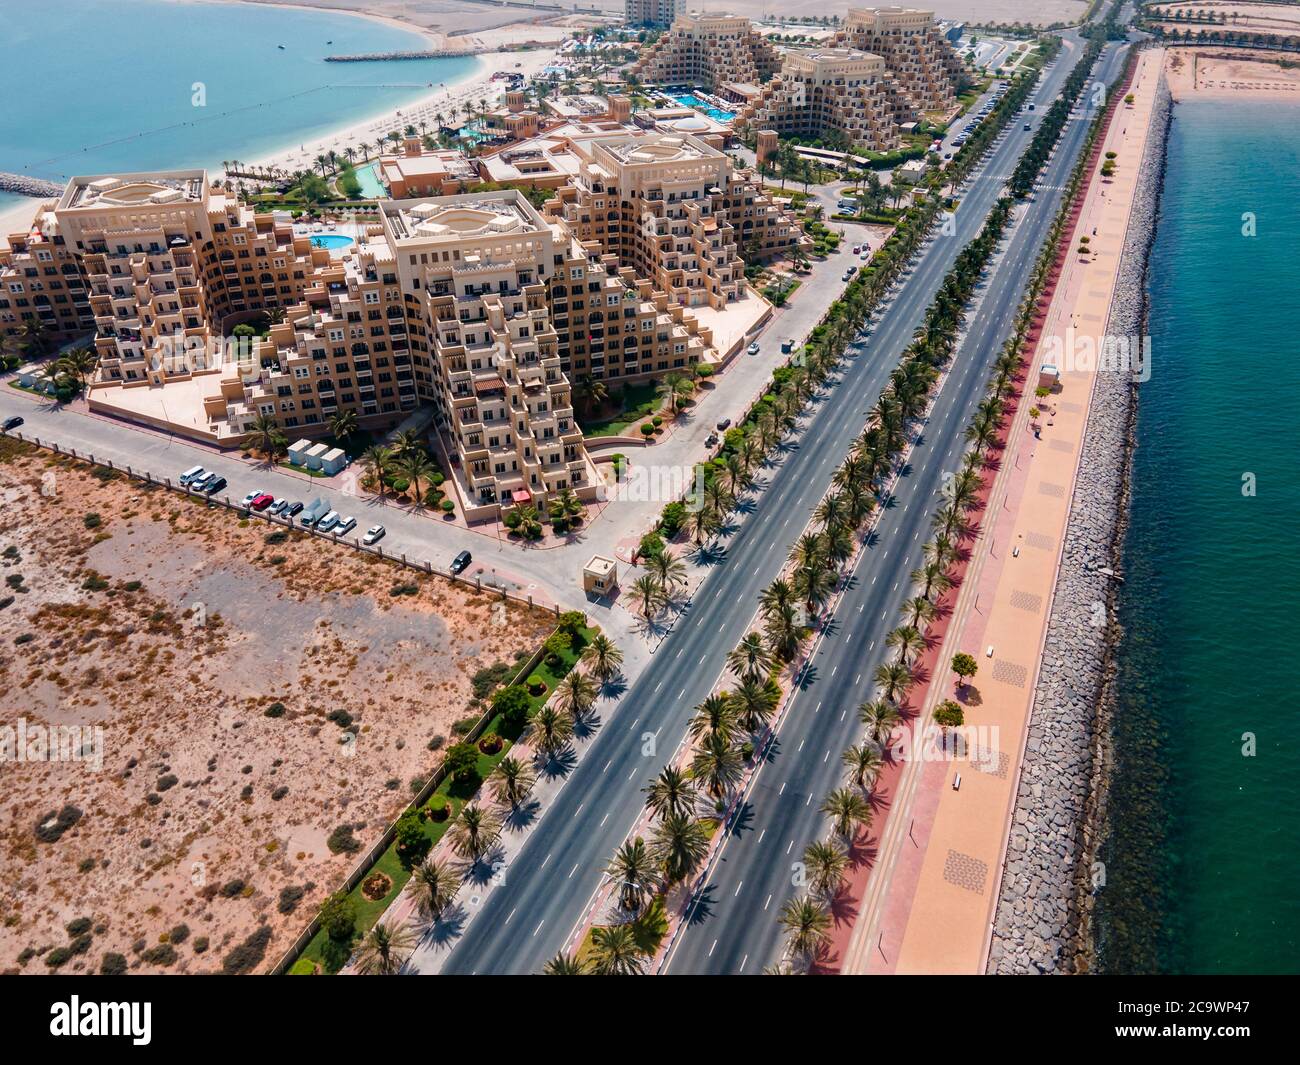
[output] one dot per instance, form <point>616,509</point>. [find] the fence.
<point>287,522</point>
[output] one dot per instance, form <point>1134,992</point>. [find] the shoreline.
<point>1048,870</point>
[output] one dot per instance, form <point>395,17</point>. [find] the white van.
<point>329,521</point>
<point>191,474</point>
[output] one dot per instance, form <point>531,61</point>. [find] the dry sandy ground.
<point>174,629</point>
<point>1227,74</point>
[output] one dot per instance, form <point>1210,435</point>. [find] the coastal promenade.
<point>936,911</point>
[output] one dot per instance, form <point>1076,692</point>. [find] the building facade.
<point>832,94</point>
<point>712,51</point>
<point>914,50</point>
<point>652,12</point>
<point>474,272</point>
<point>43,291</point>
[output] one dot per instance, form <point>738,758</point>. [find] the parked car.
<point>190,475</point>
<point>277,506</point>
<point>723,425</point>
<point>857,249</point>
<point>753,348</point>
<point>374,534</point>
<point>345,525</point>
<point>12,423</point>
<point>710,440</point>
<point>248,499</point>
<point>462,560</point>
<point>294,508</point>
<point>263,501</point>
<point>848,274</point>
<point>329,521</point>
<point>1026,127</point>
<point>213,487</point>
<point>200,483</point>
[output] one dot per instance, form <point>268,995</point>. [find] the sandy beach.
<point>1230,73</point>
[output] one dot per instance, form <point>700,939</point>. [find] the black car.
<point>11,423</point>
<point>462,560</point>
<point>293,508</point>
<point>216,486</point>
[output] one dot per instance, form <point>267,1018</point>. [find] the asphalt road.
<point>532,911</point>
<point>734,928</point>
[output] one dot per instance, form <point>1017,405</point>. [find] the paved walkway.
<point>933,911</point>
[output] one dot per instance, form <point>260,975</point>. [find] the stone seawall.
<point>1042,919</point>
<point>29,186</point>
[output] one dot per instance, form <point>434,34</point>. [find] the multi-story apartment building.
<point>416,171</point>
<point>676,212</point>
<point>345,346</point>
<point>831,91</point>
<point>167,261</point>
<point>712,51</point>
<point>474,272</point>
<point>652,12</point>
<point>913,48</point>
<point>42,288</point>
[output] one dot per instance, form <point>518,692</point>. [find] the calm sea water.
<point>111,84</point>
<point>1203,865</point>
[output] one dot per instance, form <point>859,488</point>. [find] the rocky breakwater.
<point>1042,919</point>
<point>29,186</point>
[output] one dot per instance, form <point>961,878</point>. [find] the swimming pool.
<point>691,100</point>
<point>333,241</point>
<point>371,186</point>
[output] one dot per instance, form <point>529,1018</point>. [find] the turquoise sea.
<point>93,86</point>
<point>1203,864</point>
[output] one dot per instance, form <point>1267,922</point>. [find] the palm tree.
<point>701,522</point>
<point>615,951</point>
<point>906,641</point>
<point>474,832</point>
<point>435,886</point>
<point>565,965</point>
<point>894,677</point>
<point>576,694</point>
<point>679,846</point>
<point>267,436</point>
<point>406,442</point>
<point>633,870</point>
<point>825,862</point>
<point>648,595</point>
<point>602,657</point>
<point>376,461</point>
<point>511,781</point>
<point>668,570</point>
<point>784,632</point>
<point>807,924</point>
<point>863,763</point>
<point>814,583</point>
<point>920,609</point>
<point>717,762</point>
<point>750,659</point>
<point>753,702</point>
<point>848,811</point>
<point>384,950</point>
<point>343,424</point>
<point>416,467</point>
<point>881,718</point>
<point>551,730</point>
<point>671,794</point>
<point>713,717</point>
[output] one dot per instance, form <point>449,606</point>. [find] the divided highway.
<point>529,915</point>
<point>735,927</point>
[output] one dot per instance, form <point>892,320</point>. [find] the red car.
<point>262,502</point>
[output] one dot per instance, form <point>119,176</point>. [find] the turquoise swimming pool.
<point>371,187</point>
<point>691,100</point>
<point>333,241</point>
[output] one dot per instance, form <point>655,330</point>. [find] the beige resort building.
<point>913,48</point>
<point>717,52</point>
<point>832,90</point>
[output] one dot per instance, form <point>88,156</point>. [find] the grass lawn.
<point>328,956</point>
<point>628,406</point>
